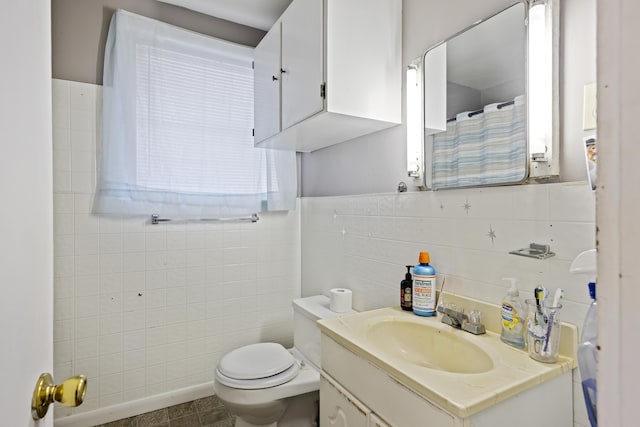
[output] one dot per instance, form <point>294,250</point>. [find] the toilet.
<point>266,384</point>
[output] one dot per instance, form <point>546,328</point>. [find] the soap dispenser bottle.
<point>406,290</point>
<point>512,315</point>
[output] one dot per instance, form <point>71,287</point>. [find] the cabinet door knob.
<point>274,78</point>
<point>282,70</point>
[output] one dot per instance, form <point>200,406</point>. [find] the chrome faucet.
<point>459,320</point>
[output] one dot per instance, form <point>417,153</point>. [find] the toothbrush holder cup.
<point>543,331</point>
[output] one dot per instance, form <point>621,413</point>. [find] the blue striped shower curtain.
<point>488,148</point>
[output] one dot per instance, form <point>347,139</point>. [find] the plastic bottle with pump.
<point>424,287</point>
<point>406,290</point>
<point>585,263</point>
<point>511,317</point>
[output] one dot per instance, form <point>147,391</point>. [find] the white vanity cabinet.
<point>339,408</point>
<point>328,71</point>
<point>356,392</point>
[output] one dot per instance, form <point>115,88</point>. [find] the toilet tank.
<point>306,334</point>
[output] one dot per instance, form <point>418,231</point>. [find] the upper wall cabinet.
<point>328,71</point>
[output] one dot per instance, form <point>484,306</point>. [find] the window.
<point>178,115</point>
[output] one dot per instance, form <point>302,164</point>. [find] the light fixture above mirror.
<point>482,105</point>
<point>543,88</point>
<point>415,144</point>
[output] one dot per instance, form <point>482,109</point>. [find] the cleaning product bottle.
<point>585,263</point>
<point>588,358</point>
<point>424,287</point>
<point>406,290</point>
<point>512,315</point>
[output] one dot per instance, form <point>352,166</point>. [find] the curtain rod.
<point>475,113</point>
<point>155,219</point>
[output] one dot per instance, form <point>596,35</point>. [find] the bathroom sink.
<point>428,346</point>
<point>457,371</point>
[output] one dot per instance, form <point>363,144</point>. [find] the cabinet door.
<point>375,421</point>
<point>266,85</point>
<point>302,63</point>
<point>339,409</point>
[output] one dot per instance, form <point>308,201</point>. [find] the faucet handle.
<point>452,316</point>
<point>457,318</point>
<point>474,324</point>
<point>475,316</point>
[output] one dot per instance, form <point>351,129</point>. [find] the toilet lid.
<point>260,383</point>
<point>255,361</point>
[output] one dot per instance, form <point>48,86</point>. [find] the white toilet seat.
<point>255,361</point>
<point>258,383</point>
<point>307,380</point>
<point>257,366</point>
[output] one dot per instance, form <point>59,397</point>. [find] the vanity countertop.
<point>461,394</point>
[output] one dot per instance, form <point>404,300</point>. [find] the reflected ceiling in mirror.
<point>486,63</point>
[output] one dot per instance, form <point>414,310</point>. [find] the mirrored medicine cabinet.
<point>482,105</point>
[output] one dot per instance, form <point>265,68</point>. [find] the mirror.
<point>475,118</point>
<point>486,63</point>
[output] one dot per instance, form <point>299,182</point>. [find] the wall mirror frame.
<point>529,91</point>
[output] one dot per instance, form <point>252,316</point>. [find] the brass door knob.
<point>69,393</point>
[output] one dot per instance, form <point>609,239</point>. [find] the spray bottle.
<point>585,263</point>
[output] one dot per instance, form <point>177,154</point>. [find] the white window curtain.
<point>177,127</point>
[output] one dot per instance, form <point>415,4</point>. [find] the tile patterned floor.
<point>207,412</point>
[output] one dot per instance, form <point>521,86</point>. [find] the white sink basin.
<point>427,346</point>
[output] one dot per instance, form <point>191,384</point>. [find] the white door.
<point>302,64</point>
<point>26,213</point>
<point>617,205</point>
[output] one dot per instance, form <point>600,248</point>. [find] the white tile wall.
<point>139,308</point>
<point>364,242</point>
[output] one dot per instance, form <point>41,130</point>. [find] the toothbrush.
<point>556,300</point>
<point>538,293</point>
<point>545,294</point>
<point>557,297</point>
<point>543,303</point>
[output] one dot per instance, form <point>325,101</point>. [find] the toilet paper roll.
<point>340,300</point>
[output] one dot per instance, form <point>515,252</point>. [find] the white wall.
<point>376,163</point>
<point>142,309</point>
<point>363,243</point>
